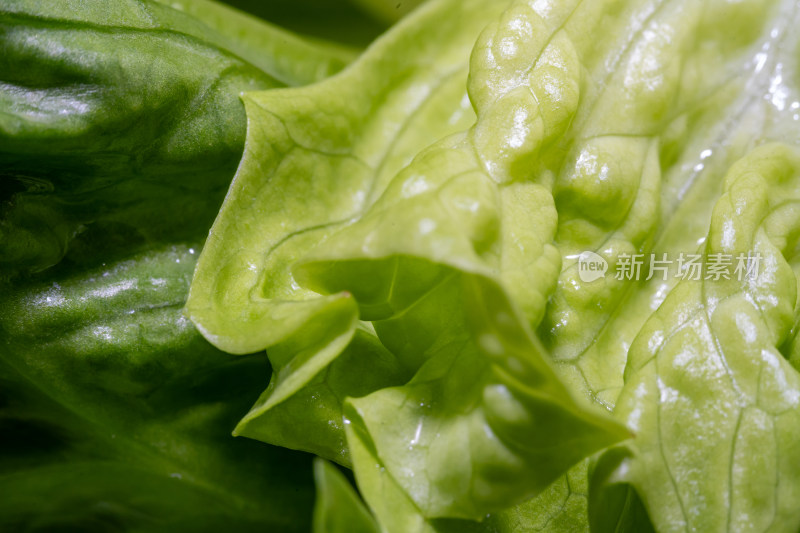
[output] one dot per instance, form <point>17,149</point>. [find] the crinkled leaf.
<point>297,408</point>
<point>559,508</point>
<point>602,127</point>
<point>711,398</point>
<point>315,158</point>
<point>480,422</point>
<point>476,428</point>
<point>734,91</point>
<point>446,211</point>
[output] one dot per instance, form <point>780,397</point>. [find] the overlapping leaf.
<point>428,246</point>
<point>602,127</point>
<point>314,159</point>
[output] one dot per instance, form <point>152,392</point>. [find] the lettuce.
<point>338,507</point>
<point>433,248</point>
<point>120,128</point>
<point>460,247</point>
<point>115,414</point>
<point>111,110</point>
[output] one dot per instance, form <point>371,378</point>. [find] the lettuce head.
<point>516,266</point>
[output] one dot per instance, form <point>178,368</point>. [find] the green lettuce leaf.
<point>614,505</point>
<point>706,369</point>
<point>289,58</point>
<point>110,110</point>
<point>601,128</point>
<point>406,240</point>
<point>305,413</point>
<point>120,128</point>
<point>328,149</point>
<point>426,249</point>
<point>393,507</point>
<point>716,115</point>
<point>342,22</point>
<point>338,508</point>
<point>115,414</point>
<point>560,508</point>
